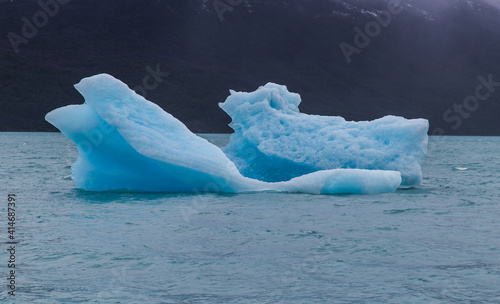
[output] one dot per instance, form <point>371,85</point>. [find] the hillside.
<point>423,62</point>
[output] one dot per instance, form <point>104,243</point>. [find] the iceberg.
<point>273,141</point>
<point>125,142</point>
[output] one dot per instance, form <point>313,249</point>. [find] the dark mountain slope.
<point>427,59</point>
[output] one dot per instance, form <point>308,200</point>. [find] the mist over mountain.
<point>360,59</point>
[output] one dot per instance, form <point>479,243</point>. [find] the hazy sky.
<point>496,2</point>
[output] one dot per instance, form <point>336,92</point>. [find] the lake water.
<point>437,243</point>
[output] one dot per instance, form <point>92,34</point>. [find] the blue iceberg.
<point>273,141</point>
<point>128,143</point>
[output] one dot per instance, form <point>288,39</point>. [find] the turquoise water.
<point>438,243</point>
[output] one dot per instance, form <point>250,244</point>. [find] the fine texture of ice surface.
<point>273,141</point>
<point>128,143</point>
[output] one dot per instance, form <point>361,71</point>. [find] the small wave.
<point>401,211</point>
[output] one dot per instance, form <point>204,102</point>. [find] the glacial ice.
<point>273,141</point>
<point>125,142</point>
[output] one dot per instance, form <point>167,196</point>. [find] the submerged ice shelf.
<point>128,143</point>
